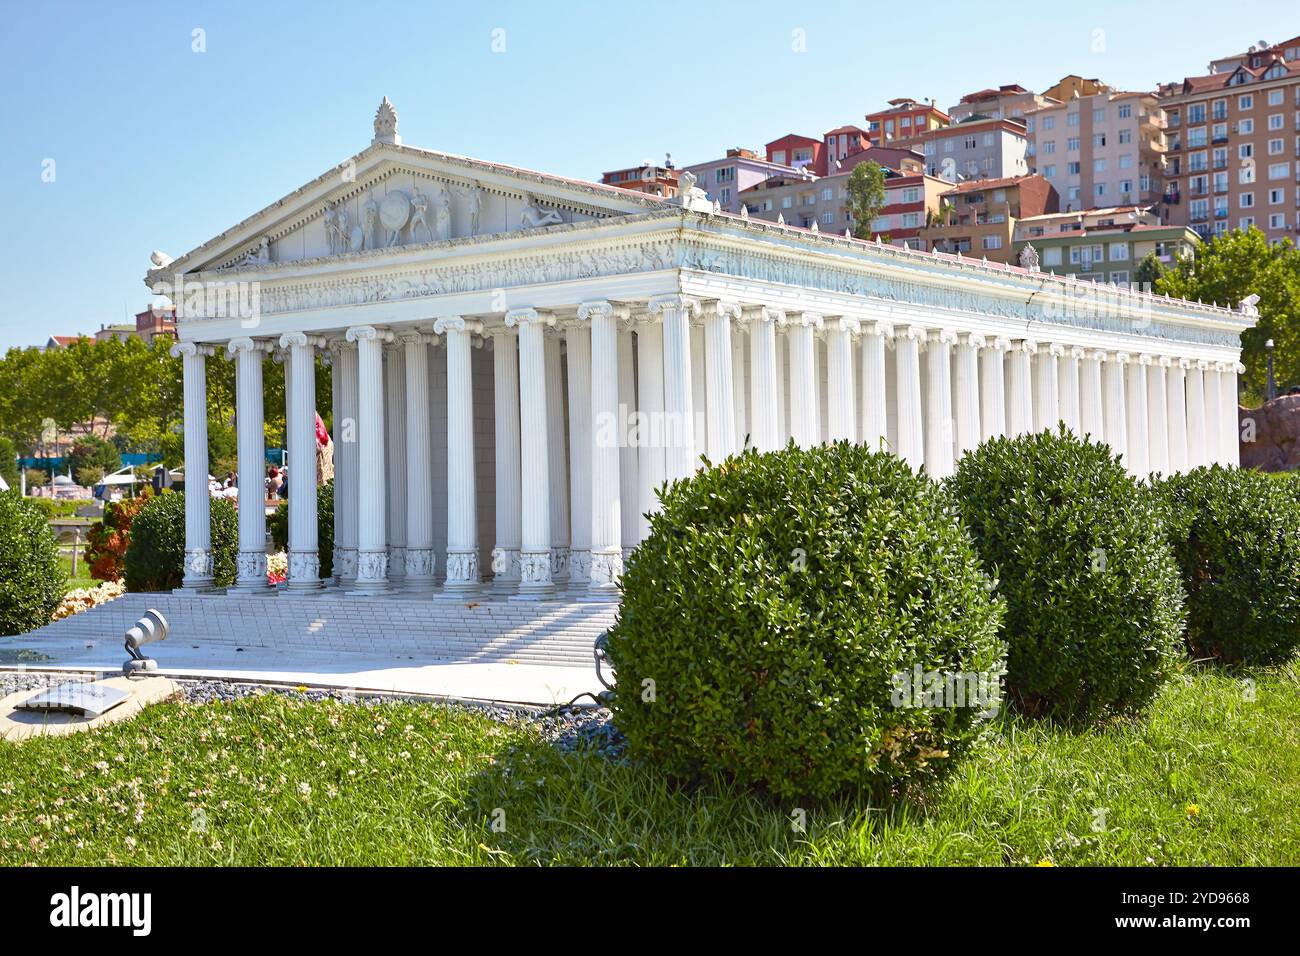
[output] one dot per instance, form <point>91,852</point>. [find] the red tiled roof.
<point>976,185</point>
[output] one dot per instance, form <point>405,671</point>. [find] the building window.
<point>1049,172</point>
<point>988,139</point>
<point>1085,255</point>
<point>968,142</point>
<point>1072,144</point>
<point>1052,256</point>
<point>1099,115</point>
<point>992,242</point>
<point>1118,251</point>
<point>1245,150</point>
<point>1072,119</point>
<point>778,157</point>
<point>1276,121</point>
<point>1049,146</point>
<point>1100,190</point>
<point>1072,194</point>
<point>786,202</point>
<point>1099,165</point>
<point>1049,122</point>
<point>1275,97</point>
<point>1276,197</point>
<point>1278,170</point>
<point>1195,113</point>
<point>1126,188</point>
<point>1124,110</point>
<point>1246,127</point>
<point>1277,220</point>
<point>1125,136</point>
<point>828,194</point>
<point>1219,109</point>
<point>1245,222</point>
<point>828,218</point>
<point>1246,200</point>
<point>1245,102</point>
<point>1196,137</point>
<point>1098,140</point>
<point>724,196</point>
<point>911,220</point>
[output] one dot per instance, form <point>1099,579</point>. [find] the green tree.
<point>1226,270</point>
<point>8,461</point>
<point>866,188</point>
<point>92,455</point>
<point>1149,271</point>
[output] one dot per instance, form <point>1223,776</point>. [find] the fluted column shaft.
<point>628,476</point>
<point>907,362</point>
<point>1196,450</point>
<point>346,461</point>
<point>841,395</point>
<point>558,462</point>
<point>395,447</point>
<point>1067,397</point>
<point>420,562</point>
<point>763,400</point>
<point>509,531</point>
<point>1092,415</point>
<point>740,386</point>
<point>993,389</point>
<point>1047,410</point>
<point>372,493</point>
<point>304,556</point>
<point>198,506</point>
<point>1230,442</point>
<point>251,442</point>
<point>1158,417</point>
<point>720,404</point>
<point>606,519</point>
<point>462,510</point>
<point>966,392</point>
<point>1138,435</point>
<point>1213,417</point>
<point>803,384</point>
<point>875,422</point>
<point>650,419</point>
<point>1113,376</point>
<point>577,341</point>
<point>1176,401</point>
<point>679,408</point>
<point>938,404</point>
<point>535,558</point>
<point>1020,407</point>
<point>699,393</point>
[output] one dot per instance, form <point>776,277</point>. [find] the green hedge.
<point>155,557</point>
<point>31,578</point>
<point>1094,605</point>
<point>60,507</point>
<point>278,525</point>
<point>770,618</point>
<point>1236,537</point>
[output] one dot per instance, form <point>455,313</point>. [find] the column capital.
<point>1145,359</point>
<point>846,323</point>
<point>878,327</point>
<point>1222,366</point>
<point>915,332</point>
<point>675,300</point>
<point>246,344</point>
<point>1026,346</point>
<point>1237,367</point>
<point>1202,365</point>
<point>298,340</point>
<point>1055,349</point>
<point>337,344</point>
<point>367,333</point>
<point>1076,352</point>
<point>528,317</point>
<point>1098,355</point>
<point>722,308</point>
<point>941,337</point>
<point>592,310</point>
<point>456,323</point>
<point>415,337</point>
<point>190,349</point>
<point>973,339</point>
<point>497,331</point>
<point>1164,361</point>
<point>999,342</point>
<point>1123,358</point>
<point>753,314</point>
<point>1184,364</point>
<point>806,319</point>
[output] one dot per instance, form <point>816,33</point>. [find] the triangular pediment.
<point>392,196</point>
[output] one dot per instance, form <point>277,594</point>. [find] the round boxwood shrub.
<point>278,525</point>
<point>1236,537</point>
<point>155,556</point>
<point>31,578</point>
<point>773,619</point>
<point>1094,606</point>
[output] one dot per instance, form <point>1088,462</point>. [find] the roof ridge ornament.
<point>386,124</point>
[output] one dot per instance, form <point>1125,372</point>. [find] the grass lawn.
<point>83,578</point>
<point>1211,778</point>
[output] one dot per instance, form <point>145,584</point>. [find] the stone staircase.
<point>329,622</point>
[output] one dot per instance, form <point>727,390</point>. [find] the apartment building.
<point>1234,144</point>
<point>904,119</point>
<point>979,218</point>
<point>797,152</point>
<point>1103,245</point>
<point>723,180</point>
<point>646,178</point>
<point>1100,150</point>
<point>1011,101</point>
<point>842,142</point>
<point>978,148</point>
<point>1073,85</point>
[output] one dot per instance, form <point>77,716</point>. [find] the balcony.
<point>1199,217</point>
<point>1198,191</point>
<point>1170,199</point>
<point>1219,140</point>
<point>1220,214</point>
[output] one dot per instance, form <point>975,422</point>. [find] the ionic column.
<point>938,404</point>
<point>505,381</point>
<point>304,556</point>
<point>720,401</point>
<point>1020,406</point>
<point>907,363</point>
<point>251,441</point>
<point>395,447</point>
<point>462,513</point>
<point>1176,401</point>
<point>372,516</point>
<point>628,477</point>
<point>1196,431</point>
<point>875,422</point>
<point>840,392</point>
<point>650,419</point>
<point>1213,414</point>
<point>1113,376</point>
<point>966,392</point>
<point>605,517</point>
<point>198,520</point>
<point>535,558</point>
<point>1068,398</point>
<point>993,389</point>
<point>1230,443</point>
<point>558,462</point>
<point>699,392</point>
<point>577,342</point>
<point>782,401</point>
<point>1047,408</point>
<point>1158,416</point>
<point>420,562</point>
<point>343,364</point>
<point>1092,415</point>
<point>1135,396</point>
<point>679,409</point>
<point>740,385</point>
<point>763,397</point>
<point>803,384</point>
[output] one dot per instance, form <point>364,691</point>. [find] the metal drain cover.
<point>87,699</point>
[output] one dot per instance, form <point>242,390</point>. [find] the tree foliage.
<point>866,188</point>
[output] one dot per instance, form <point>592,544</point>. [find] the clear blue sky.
<point>160,147</point>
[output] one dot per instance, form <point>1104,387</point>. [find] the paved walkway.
<point>481,650</point>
